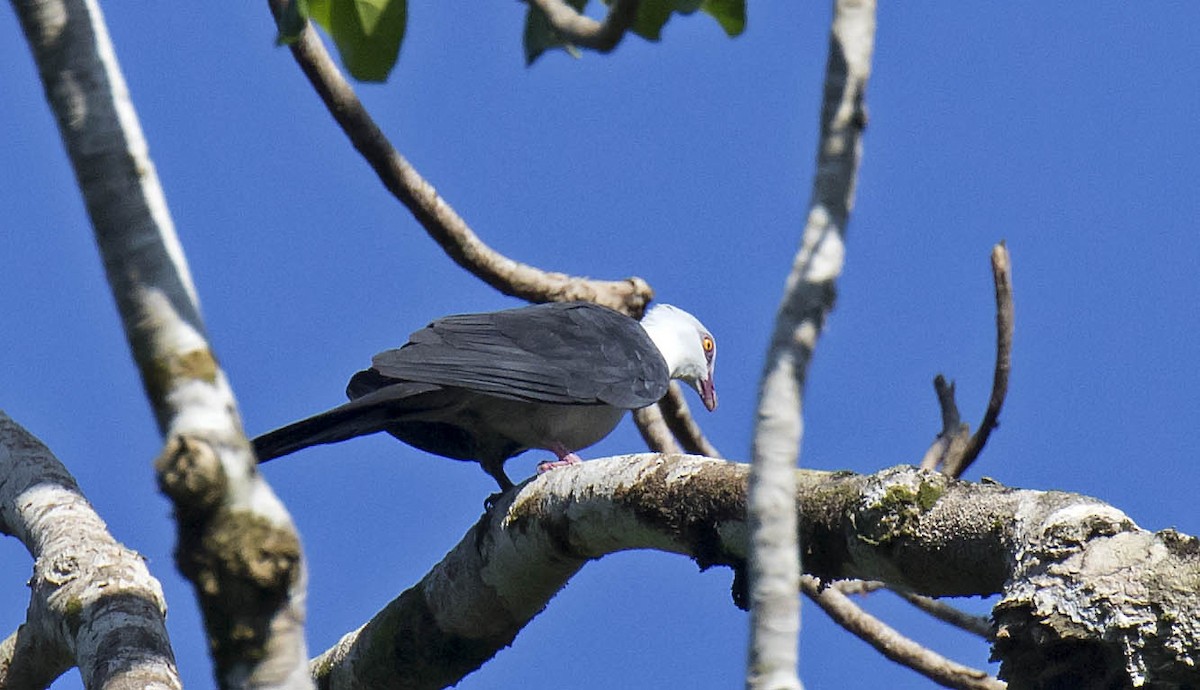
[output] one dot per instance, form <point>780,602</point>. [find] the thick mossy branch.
<point>913,529</point>
<point>243,568</point>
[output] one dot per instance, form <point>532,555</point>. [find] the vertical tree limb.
<point>236,540</point>
<point>93,602</point>
<point>1002,276</point>
<point>808,298</point>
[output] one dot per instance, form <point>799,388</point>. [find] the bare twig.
<point>808,298</point>
<point>442,223</point>
<point>237,543</point>
<point>953,438</point>
<point>955,449</point>
<point>654,430</point>
<point>679,420</point>
<point>1002,275</point>
<point>893,645</point>
<point>93,603</point>
<point>976,625</point>
<point>583,31</point>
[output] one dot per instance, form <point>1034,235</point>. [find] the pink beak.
<point>708,392</point>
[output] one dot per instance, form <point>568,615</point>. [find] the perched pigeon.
<point>486,387</point>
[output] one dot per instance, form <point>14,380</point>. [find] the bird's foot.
<point>491,501</point>
<point>563,460</point>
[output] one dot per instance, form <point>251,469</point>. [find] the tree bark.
<point>808,298</point>
<point>237,543</point>
<point>93,603</point>
<point>912,529</point>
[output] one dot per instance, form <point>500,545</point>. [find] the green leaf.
<point>651,17</point>
<point>730,14</point>
<point>540,36</point>
<point>367,33</point>
<point>319,11</point>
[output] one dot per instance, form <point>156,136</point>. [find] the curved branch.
<point>808,298</point>
<point>583,31</point>
<point>93,602</point>
<point>237,543</point>
<point>892,644</point>
<point>1002,275</point>
<point>955,449</point>
<point>442,223</point>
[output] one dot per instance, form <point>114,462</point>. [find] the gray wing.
<point>565,353</point>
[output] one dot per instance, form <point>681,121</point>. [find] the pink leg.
<point>565,457</point>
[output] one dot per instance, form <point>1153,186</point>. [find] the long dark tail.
<point>368,414</point>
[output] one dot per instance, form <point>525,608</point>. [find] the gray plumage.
<point>486,387</point>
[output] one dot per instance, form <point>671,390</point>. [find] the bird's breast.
<point>545,425</point>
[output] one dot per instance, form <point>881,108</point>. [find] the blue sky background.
<point>1070,133</point>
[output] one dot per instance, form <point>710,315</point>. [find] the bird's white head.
<point>688,348</point>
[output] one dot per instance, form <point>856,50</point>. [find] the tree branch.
<point>683,425</point>
<point>892,644</point>
<point>93,602</point>
<point>1002,275</point>
<point>237,543</point>
<point>654,430</point>
<point>583,31</point>
<point>911,529</point>
<point>976,625</point>
<point>808,298</point>
<point>952,440</point>
<point>440,221</point>
<point>954,449</point>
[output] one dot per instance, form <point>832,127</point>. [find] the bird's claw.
<point>563,460</point>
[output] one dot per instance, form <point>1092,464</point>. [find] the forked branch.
<point>93,603</point>
<point>954,449</point>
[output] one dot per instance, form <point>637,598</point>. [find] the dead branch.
<point>1002,275</point>
<point>954,449</point>
<point>892,644</point>
<point>976,625</point>
<point>952,440</point>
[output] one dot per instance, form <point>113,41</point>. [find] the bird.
<point>488,386</point>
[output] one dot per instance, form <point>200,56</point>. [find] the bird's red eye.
<point>707,343</point>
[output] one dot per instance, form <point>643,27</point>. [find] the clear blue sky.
<point>1069,132</point>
